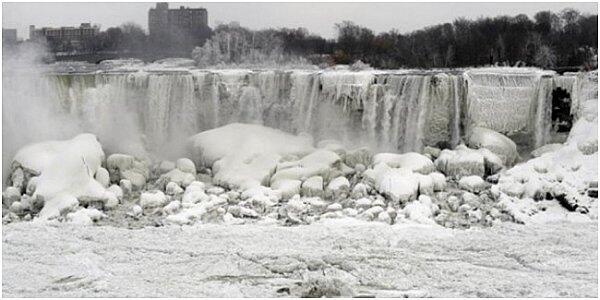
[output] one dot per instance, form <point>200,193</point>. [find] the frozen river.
<point>371,259</point>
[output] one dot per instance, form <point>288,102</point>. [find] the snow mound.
<point>566,172</point>
<point>66,171</point>
<point>245,155</point>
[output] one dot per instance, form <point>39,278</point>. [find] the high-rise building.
<point>180,27</point>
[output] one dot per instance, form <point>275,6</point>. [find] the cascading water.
<point>389,111</point>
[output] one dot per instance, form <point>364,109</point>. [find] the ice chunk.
<point>497,143</point>
<point>186,165</point>
<point>313,186</point>
<point>413,161</point>
<point>461,162</point>
<point>244,155</point>
<point>473,184</point>
<point>153,199</point>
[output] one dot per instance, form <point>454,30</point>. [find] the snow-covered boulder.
<point>413,161</point>
<point>439,181</point>
<point>245,155</point>
<point>460,162</point>
<point>102,177</point>
<point>497,143</point>
<point>123,166</point>
<point>116,190</point>
<point>153,199</point>
<point>66,170</point>
<point>177,176</point>
<point>287,187</point>
<point>186,165</point>
<point>474,184</point>
<point>337,186</point>
<point>313,186</point>
<point>399,184</point>
<point>10,195</point>
<point>173,189</point>
<point>362,156</point>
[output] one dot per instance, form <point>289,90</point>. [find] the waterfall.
<point>388,111</point>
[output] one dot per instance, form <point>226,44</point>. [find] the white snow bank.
<point>244,155</point>
<point>564,172</point>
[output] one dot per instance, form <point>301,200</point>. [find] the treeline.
<point>549,40</point>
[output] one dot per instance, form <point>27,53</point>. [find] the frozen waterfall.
<point>387,110</point>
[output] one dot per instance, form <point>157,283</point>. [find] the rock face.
<point>497,143</point>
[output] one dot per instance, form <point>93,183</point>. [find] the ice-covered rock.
<point>415,162</point>
<point>10,195</point>
<point>165,166</point>
<point>460,162</point>
<point>85,216</point>
<point>172,207</point>
<point>338,185</point>
<point>360,190</point>
<point>153,199</point>
<point>173,189</point>
<point>313,186</point>
<point>360,156</point>
<point>66,170</point>
<point>177,176</point>
<point>497,143</point>
<point>116,190</point>
<point>126,186</point>
<point>426,184</point>
<point>123,166</point>
<point>245,155</point>
<point>418,212</point>
<point>102,177</point>
<point>287,187</point>
<point>334,207</point>
<point>31,185</point>
<point>186,165</point>
<point>363,203</point>
<point>399,184</point>
<point>473,184</point>
<point>439,181</point>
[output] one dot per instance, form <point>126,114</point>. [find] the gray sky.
<point>316,17</point>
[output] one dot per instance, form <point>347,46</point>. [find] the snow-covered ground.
<point>508,260</point>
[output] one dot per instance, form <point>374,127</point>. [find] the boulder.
<point>313,186</point>
<point>474,184</point>
<point>460,162</point>
<point>497,143</point>
<point>413,161</point>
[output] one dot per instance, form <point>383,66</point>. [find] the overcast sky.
<point>316,17</point>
